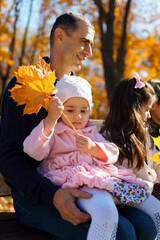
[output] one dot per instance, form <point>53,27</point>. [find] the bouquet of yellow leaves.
<point>35,85</point>
<point>156,156</point>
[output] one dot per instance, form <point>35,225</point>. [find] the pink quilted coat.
<point>68,167</point>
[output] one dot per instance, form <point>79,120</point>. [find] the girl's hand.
<point>84,144</point>
<point>55,109</point>
<point>54,113</point>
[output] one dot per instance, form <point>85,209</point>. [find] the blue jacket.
<point>18,169</point>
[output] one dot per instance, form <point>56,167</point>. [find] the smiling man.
<point>70,45</point>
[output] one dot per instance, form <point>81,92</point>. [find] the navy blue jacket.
<point>18,169</point>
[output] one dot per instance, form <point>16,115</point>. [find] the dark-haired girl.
<point>125,126</point>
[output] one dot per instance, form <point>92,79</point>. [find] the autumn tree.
<point>113,67</point>
<point>122,50</point>
<point>118,50</point>
<point>19,45</point>
<point>8,39</point>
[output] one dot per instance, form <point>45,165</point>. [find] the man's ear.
<point>59,35</point>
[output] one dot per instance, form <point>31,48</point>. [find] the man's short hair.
<point>68,22</point>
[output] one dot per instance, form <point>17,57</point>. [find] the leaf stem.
<point>70,123</point>
<point>65,118</point>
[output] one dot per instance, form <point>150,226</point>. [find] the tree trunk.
<point>121,50</point>
<point>113,70</point>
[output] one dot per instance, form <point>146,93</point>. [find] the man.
<point>38,202</point>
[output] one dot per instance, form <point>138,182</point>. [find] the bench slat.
<point>29,235</point>
<point>11,229</point>
<point>4,188</point>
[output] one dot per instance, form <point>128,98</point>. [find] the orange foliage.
<point>6,204</point>
<point>141,54</point>
<point>99,93</point>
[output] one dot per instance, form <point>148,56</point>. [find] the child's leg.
<point>152,207</point>
<point>103,213</point>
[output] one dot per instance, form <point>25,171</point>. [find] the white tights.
<point>104,213</point>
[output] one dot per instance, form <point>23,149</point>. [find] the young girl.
<point>84,159</point>
<point>125,125</point>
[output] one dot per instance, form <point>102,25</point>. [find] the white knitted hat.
<point>73,86</point>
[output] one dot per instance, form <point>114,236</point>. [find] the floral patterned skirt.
<point>127,192</point>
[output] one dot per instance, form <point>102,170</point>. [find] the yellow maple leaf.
<point>41,64</point>
<point>157,141</point>
<point>156,157</point>
<point>35,88</point>
<point>31,73</point>
<point>26,74</point>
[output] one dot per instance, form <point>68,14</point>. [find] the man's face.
<point>77,47</point>
<point>155,113</point>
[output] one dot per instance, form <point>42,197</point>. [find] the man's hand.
<point>64,202</point>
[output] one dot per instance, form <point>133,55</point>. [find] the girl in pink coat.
<point>83,159</point>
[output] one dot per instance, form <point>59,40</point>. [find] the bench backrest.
<point>5,189</point>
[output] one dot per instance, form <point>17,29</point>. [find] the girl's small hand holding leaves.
<point>55,111</point>
<point>55,108</point>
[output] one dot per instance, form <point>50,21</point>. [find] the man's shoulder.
<point>46,59</point>
<point>11,83</point>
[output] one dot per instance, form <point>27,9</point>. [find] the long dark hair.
<point>123,124</point>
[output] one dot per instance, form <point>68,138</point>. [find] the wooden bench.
<point>10,228</point>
